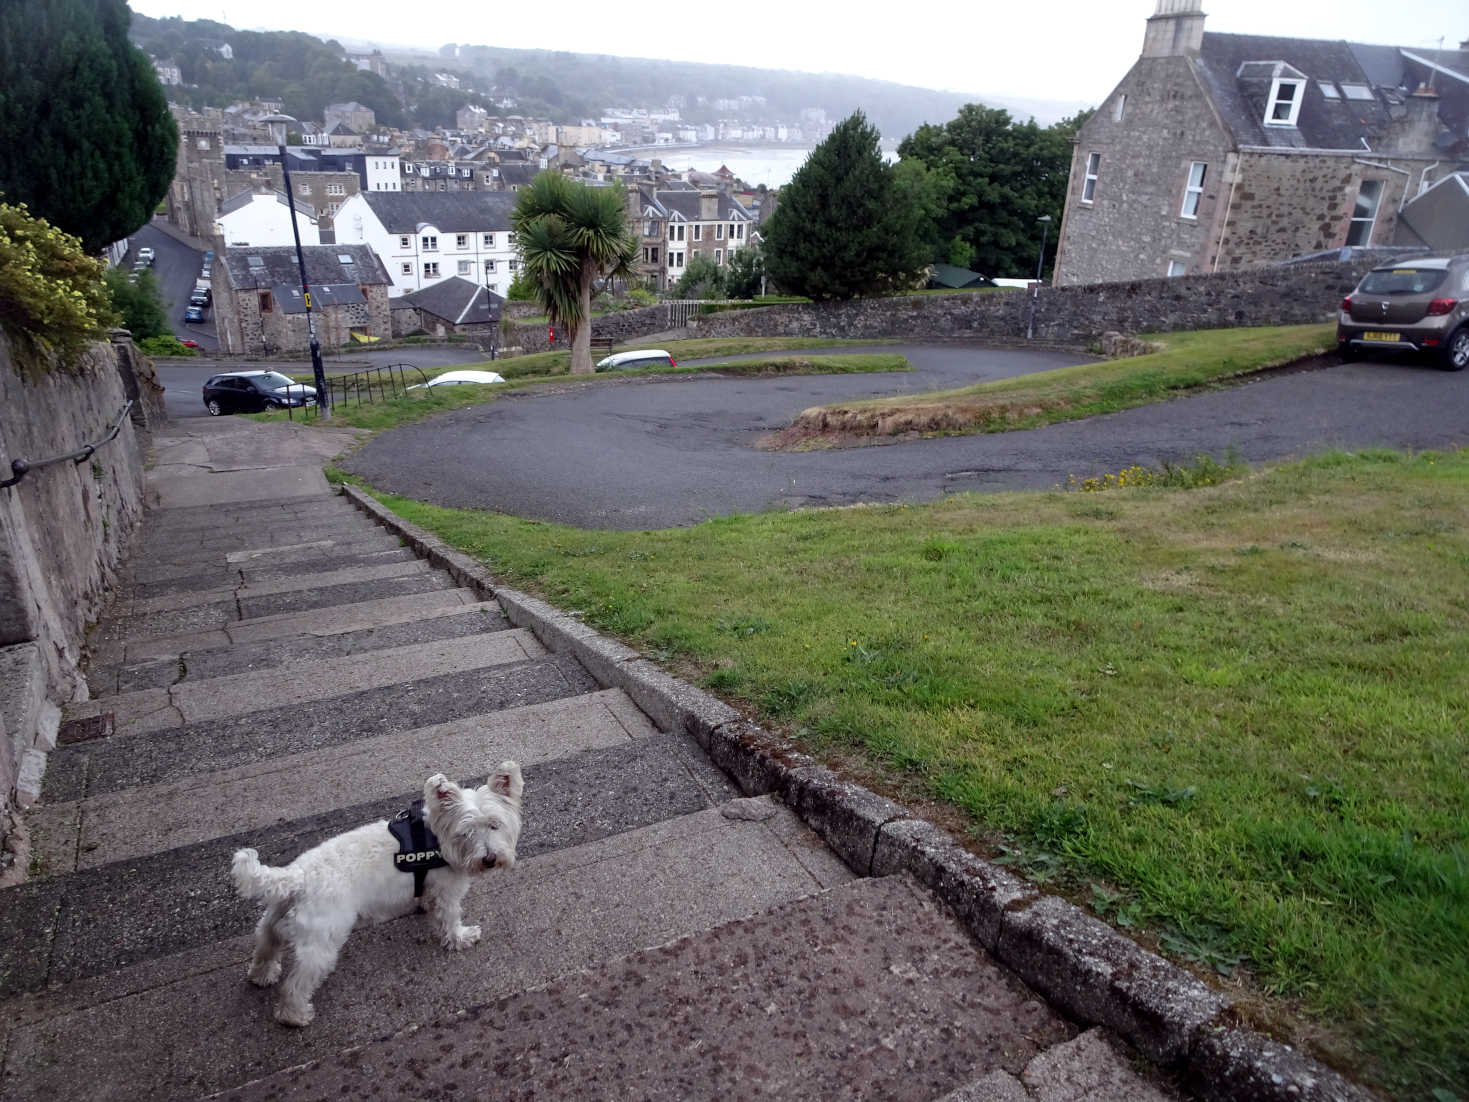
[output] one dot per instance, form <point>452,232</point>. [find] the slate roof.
<point>245,198</point>
<point>288,297</point>
<point>687,205</point>
<point>276,265</point>
<point>457,301</point>
<point>1439,218</point>
<point>948,275</point>
<point>450,211</point>
<point>1322,123</point>
<point>518,175</point>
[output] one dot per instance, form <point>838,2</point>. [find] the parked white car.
<point>145,254</point>
<point>461,378</point>
<point>643,357</point>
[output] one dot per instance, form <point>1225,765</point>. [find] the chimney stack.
<point>1176,29</point>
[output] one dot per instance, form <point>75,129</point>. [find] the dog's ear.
<point>506,781</point>
<point>439,789</point>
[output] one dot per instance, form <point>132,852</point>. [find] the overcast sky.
<point>1051,49</point>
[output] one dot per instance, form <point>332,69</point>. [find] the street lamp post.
<point>277,125</point>
<point>1035,290</point>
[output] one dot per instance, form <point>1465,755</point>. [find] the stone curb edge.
<point>1078,963</point>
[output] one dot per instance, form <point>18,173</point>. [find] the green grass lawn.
<point>1230,719</point>
<point>1188,361</point>
<point>391,412</point>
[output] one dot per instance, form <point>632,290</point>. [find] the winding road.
<point>665,451</point>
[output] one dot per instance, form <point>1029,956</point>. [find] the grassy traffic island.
<point>1184,362</point>
<point>1227,712</point>
<point>542,369</point>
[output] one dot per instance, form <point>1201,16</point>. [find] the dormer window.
<point>1284,105</point>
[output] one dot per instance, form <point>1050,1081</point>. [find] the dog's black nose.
<point>489,862</point>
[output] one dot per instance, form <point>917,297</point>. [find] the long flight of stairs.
<point>278,670</point>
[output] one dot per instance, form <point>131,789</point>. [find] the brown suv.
<point>1416,305</point>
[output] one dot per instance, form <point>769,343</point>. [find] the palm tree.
<point>569,236</point>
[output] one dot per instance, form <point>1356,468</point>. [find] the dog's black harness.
<point>418,849</point>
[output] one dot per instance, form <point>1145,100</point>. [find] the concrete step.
<point>309,551</point>
<point>113,645</point>
<point>91,768</point>
<point>234,695</point>
<point>172,545</point>
<point>173,1023</point>
<point>207,662</point>
<point>225,575</point>
<point>250,514</point>
<point>138,822</point>
<point>170,598</point>
<point>217,614</point>
<point>864,991</point>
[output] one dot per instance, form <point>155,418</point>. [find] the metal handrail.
<point>21,467</point>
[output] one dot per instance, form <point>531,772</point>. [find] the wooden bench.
<point>602,345</point>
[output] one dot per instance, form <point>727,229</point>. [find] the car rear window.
<point>1402,281</point>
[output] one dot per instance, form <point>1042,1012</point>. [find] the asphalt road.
<point>183,380</point>
<point>658,452</point>
<point>176,267</point>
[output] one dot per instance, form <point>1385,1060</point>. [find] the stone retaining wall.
<point>1293,295</point>
<point>63,529</point>
<point>623,326</point>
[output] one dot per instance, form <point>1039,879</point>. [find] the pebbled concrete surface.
<point>189,1024</point>
<point>139,821</point>
<point>663,453</point>
<point>88,769</point>
<point>128,911</point>
<point>198,701</point>
<point>221,661</point>
<point>865,991</point>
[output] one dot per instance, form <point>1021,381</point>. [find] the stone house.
<point>199,175</point>
<point>1221,151</point>
<point>673,225</point>
<point>255,218</point>
<point>451,306</point>
<point>354,115</point>
<point>259,309</point>
<point>424,237</point>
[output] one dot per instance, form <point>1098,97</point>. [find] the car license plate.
<point>1369,336</point>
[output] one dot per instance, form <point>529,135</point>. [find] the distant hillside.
<point>308,72</point>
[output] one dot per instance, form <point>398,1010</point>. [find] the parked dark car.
<point>253,391</point>
<point>1411,306</point>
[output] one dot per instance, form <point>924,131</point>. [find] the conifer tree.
<point>843,228</point>
<point>89,143</point>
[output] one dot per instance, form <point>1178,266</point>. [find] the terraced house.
<point>424,236</point>
<point>1220,151</point>
<point>676,224</point>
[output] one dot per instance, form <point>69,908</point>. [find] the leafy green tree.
<point>702,278</point>
<point>138,303</point>
<point>52,300</point>
<point>745,270</point>
<point>521,288</point>
<point>844,227</point>
<point>569,236</point>
<point>996,177</point>
<point>89,143</point>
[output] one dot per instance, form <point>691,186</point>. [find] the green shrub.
<point>165,346</point>
<point>52,300</point>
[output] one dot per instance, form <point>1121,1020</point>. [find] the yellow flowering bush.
<point>52,299</point>
<point>1205,470</point>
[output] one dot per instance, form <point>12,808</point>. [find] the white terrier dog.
<point>376,872</point>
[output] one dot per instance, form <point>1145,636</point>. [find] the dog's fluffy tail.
<point>264,882</point>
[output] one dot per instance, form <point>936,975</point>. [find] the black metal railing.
<point>19,468</point>
<point>372,384</point>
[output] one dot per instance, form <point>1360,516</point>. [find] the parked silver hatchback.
<point>1413,306</point>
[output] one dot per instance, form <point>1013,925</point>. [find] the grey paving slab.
<point>89,769</point>
<point>124,912</point>
<point>218,661</point>
<point>172,599</point>
<point>260,484</point>
<point>349,593</point>
<point>260,571</point>
<point>199,701</point>
<point>187,1025</point>
<point>1089,1068</point>
<point>138,821</point>
<point>866,992</point>
<point>315,622</point>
